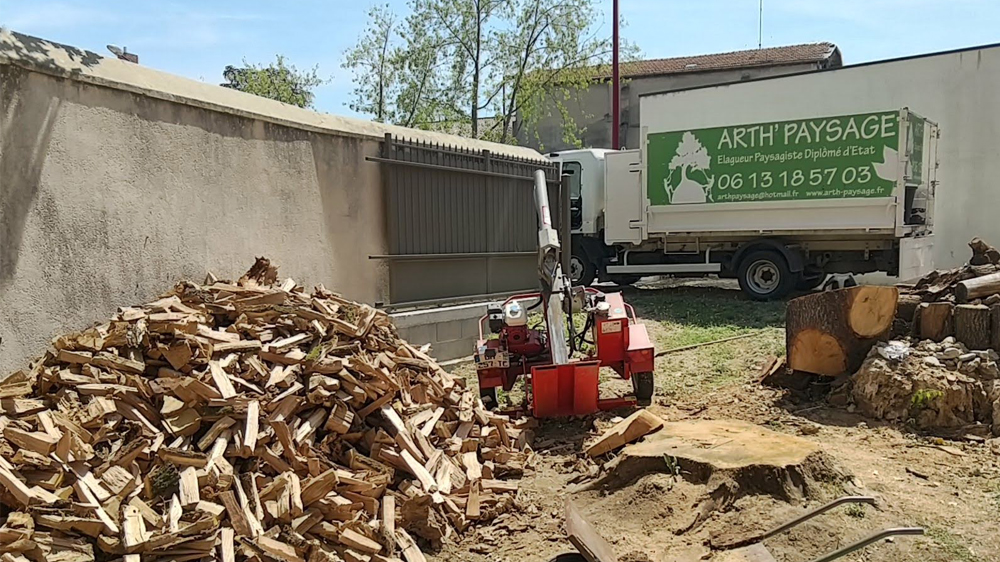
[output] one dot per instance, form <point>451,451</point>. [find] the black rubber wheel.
<point>489,397</point>
<point>624,280</point>
<point>581,271</point>
<point>809,283</point>
<point>642,385</point>
<point>764,276</point>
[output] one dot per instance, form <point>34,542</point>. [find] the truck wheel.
<point>764,275</point>
<point>581,271</point>
<point>624,280</point>
<point>642,385</point>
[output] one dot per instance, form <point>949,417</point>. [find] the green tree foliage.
<point>484,68</point>
<point>277,81</point>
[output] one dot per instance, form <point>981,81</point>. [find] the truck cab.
<point>625,227</point>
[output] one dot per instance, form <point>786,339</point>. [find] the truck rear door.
<point>624,198</point>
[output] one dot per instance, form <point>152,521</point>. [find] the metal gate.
<point>461,223</point>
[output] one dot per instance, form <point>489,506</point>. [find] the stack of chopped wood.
<point>245,421</point>
<point>963,302</point>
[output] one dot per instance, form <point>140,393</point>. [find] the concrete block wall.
<point>452,331</point>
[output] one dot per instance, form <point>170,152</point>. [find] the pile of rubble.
<point>933,386</point>
<point>250,421</point>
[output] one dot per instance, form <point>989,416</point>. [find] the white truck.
<point>777,205</point>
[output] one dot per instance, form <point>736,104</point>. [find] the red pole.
<point>615,85</point>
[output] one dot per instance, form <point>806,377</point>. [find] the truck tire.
<point>764,275</point>
<point>642,385</point>
<point>581,271</point>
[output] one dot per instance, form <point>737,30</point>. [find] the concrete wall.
<point>591,108</point>
<point>116,181</point>
<point>959,90</point>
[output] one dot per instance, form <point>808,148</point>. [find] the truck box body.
<point>778,205</point>
<point>854,174</point>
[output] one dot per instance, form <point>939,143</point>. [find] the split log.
<point>977,287</point>
<point>641,423</point>
<point>830,333</point>
<point>935,320</point>
<point>972,325</point>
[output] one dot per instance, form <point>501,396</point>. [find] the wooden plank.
<point>133,527</point>
<point>252,428</point>
<point>359,542</point>
<point>235,513</point>
<point>41,443</point>
<point>221,380</point>
<point>389,515</point>
<point>189,491</point>
<point>227,550</point>
<point>585,538</point>
<point>426,480</point>
<point>411,552</point>
<point>315,488</point>
<point>472,507</point>
<point>278,550</point>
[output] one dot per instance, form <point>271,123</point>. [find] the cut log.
<point>641,423</point>
<point>972,325</point>
<point>995,327</point>
<point>830,333</point>
<point>907,306</point>
<point>977,287</point>
<point>936,320</point>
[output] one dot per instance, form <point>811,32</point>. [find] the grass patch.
<point>683,316</point>
<point>952,545</point>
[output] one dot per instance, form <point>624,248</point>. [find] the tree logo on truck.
<point>690,179</point>
<point>838,157</point>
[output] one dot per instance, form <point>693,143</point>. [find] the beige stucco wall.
<point>117,180</point>
<point>109,198</point>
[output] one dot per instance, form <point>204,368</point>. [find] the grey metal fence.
<point>461,223</point>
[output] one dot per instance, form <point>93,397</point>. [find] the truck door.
<point>574,170</point>
<point>624,198</point>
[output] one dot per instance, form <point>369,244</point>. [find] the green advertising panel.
<point>827,158</point>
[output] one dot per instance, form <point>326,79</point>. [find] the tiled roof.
<point>770,56</point>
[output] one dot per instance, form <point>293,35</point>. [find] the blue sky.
<point>197,39</point>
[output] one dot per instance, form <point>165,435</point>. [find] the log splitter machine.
<point>562,385</point>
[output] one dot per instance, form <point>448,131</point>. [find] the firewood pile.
<point>962,302</point>
<point>249,421</point>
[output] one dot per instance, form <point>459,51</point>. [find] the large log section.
<point>830,333</point>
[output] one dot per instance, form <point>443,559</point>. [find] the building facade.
<point>590,109</point>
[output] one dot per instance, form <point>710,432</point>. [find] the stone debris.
<point>935,386</point>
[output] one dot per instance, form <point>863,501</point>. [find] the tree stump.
<point>935,320</point>
<point>995,325</point>
<point>972,325</point>
<point>830,333</point>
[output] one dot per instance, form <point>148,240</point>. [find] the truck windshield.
<point>573,169</point>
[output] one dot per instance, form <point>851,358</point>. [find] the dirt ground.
<point>951,488</point>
